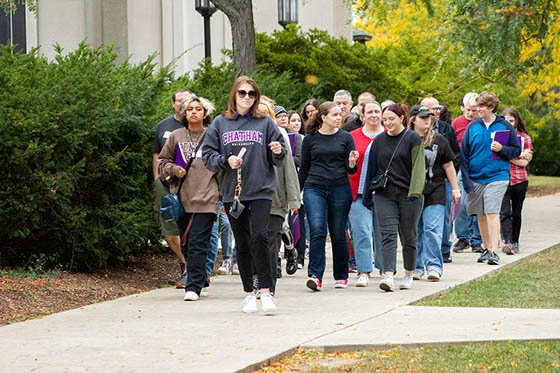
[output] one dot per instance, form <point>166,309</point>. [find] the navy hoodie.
<point>477,164</point>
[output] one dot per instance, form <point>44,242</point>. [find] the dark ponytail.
<point>315,122</point>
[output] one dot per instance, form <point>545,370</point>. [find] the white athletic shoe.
<point>191,296</point>
<point>387,283</point>
<point>250,304</point>
<point>268,306</point>
<point>406,282</point>
<point>363,280</point>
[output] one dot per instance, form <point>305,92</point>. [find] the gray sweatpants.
<point>395,213</point>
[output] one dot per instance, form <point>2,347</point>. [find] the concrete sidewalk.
<point>158,331</point>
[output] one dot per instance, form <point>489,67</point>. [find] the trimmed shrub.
<point>75,149</point>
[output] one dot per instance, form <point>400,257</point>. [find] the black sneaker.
<point>447,258</point>
<point>483,258</point>
<point>477,248</point>
<point>460,246</point>
<point>493,258</point>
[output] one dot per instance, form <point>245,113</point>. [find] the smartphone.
<point>241,153</point>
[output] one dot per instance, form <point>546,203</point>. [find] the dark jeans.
<point>196,248</point>
<point>510,213</point>
<point>274,241</point>
<point>395,213</point>
<point>300,245</point>
<point>251,238</point>
<point>327,206</point>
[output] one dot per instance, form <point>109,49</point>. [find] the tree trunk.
<point>240,15</point>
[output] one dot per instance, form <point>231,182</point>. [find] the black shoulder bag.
<point>379,182</point>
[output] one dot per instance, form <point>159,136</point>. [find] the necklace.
<point>191,138</point>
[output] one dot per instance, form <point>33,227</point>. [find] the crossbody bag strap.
<point>395,151</point>
<point>189,163</point>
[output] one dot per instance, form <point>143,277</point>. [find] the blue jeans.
<point>327,207</point>
<point>447,228</point>
<point>222,225</point>
<point>361,227</point>
<point>466,227</point>
<point>429,234</point>
<point>363,231</point>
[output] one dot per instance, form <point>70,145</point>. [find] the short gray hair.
<point>342,92</point>
<point>470,99</point>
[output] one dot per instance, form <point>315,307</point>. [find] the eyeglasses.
<point>282,116</point>
<point>242,93</point>
<point>437,108</point>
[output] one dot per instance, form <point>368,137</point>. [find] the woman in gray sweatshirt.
<point>240,127</point>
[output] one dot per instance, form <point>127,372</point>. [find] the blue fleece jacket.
<point>476,156</point>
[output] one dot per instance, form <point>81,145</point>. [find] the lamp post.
<point>206,8</point>
<point>287,12</point>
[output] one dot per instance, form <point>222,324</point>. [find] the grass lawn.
<point>531,356</point>
<point>544,181</point>
<point>533,283</point>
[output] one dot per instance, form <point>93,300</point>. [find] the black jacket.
<point>445,129</point>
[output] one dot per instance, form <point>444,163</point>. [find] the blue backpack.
<point>171,206</point>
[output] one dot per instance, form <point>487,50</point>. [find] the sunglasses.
<point>242,93</point>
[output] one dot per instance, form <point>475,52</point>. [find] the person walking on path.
<point>295,125</point>
<point>398,154</point>
<point>248,182</point>
<point>357,122</point>
<point>309,107</point>
<point>486,179</point>
<point>466,227</point>
<point>360,217</point>
<point>328,155</point>
<point>512,204</point>
<point>444,129</point>
<point>286,198</point>
<point>439,166</point>
<point>169,230</point>
<point>198,192</point>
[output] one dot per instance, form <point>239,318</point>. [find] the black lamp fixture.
<point>287,12</point>
<point>206,8</point>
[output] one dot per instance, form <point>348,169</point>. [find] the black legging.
<point>251,238</point>
<point>510,213</point>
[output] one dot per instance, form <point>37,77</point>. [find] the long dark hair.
<point>313,102</point>
<point>519,124</point>
<point>316,121</point>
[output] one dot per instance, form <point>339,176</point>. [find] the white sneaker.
<point>387,283</point>
<point>406,282</point>
<point>268,306</point>
<point>362,281</point>
<point>225,268</point>
<point>433,275</point>
<point>204,292</point>
<point>191,296</point>
<point>250,304</point>
<point>417,274</point>
<point>235,270</point>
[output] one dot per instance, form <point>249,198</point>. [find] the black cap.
<point>420,111</point>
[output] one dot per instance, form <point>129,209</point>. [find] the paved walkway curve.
<point>157,331</point>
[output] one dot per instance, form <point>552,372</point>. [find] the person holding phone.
<point>248,182</point>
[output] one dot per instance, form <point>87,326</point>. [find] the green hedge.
<point>75,150</point>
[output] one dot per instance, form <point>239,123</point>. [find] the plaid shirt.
<point>519,174</point>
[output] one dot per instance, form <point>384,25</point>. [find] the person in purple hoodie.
<point>486,178</point>
<point>245,145</point>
